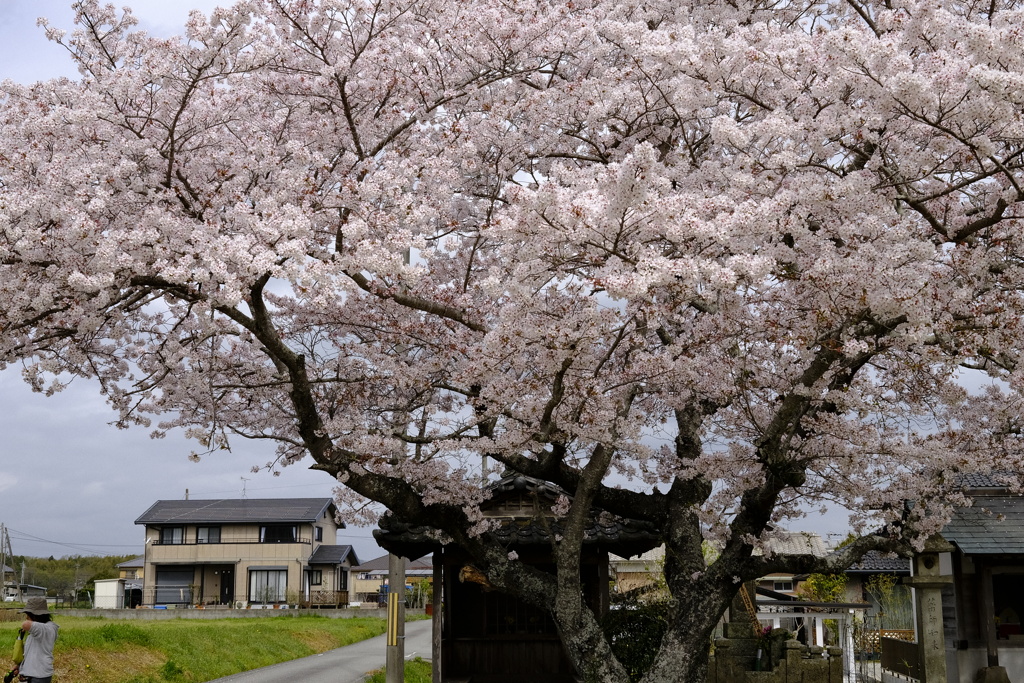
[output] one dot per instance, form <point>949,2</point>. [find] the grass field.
<point>97,650</point>
<point>416,671</point>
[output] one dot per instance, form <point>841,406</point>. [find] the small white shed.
<point>110,593</point>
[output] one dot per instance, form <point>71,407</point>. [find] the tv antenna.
<point>243,487</point>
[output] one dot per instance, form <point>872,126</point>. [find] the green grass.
<point>416,671</point>
<point>97,650</point>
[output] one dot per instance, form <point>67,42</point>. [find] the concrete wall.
<point>161,614</point>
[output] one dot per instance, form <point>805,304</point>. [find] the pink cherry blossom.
<point>707,265</point>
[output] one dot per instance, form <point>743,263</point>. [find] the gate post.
<point>928,583</point>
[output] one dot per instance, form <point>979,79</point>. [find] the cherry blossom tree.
<point>707,264</point>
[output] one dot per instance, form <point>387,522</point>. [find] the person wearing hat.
<point>41,634</point>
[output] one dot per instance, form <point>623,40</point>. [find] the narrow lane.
<point>347,664</point>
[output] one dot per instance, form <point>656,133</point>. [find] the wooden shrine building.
<point>490,637</point>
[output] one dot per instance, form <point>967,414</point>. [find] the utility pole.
<point>395,667</point>
<point>6,555</point>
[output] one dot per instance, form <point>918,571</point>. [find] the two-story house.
<point>244,552</point>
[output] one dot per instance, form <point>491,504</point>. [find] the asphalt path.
<point>348,664</point>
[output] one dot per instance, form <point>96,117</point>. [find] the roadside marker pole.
<point>395,669</point>
<point>392,619</point>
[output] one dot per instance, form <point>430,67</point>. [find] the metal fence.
<point>902,657</point>
<point>868,638</point>
<point>192,595</point>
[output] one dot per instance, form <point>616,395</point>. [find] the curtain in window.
<point>208,534</point>
<point>172,535</point>
<point>267,585</point>
<point>277,534</point>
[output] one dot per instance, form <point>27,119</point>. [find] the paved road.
<point>344,665</point>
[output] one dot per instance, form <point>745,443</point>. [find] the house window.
<point>267,585</point>
<point>277,533</point>
<point>174,586</point>
<point>207,534</point>
<point>318,533</point>
<point>783,586</point>
<point>172,535</point>
<point>343,580</point>
<point>316,577</point>
<point>131,573</point>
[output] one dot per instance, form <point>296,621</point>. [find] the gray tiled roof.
<point>619,535</point>
<point>875,562</point>
<point>993,480</point>
<point>333,554</point>
<point>381,564</point>
<point>236,511</point>
<point>134,563</point>
<point>994,525</point>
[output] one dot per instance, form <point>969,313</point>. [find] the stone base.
<point>991,674</point>
<point>738,630</point>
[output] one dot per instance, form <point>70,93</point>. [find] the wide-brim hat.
<point>35,605</point>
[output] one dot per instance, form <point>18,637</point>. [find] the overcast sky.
<point>70,483</point>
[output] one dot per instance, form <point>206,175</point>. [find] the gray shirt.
<point>39,650</point>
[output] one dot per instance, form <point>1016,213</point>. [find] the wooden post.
<point>987,613</point>
<point>395,666</point>
<point>993,673</point>
<point>437,622</point>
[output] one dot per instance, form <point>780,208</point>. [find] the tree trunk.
<point>685,648</point>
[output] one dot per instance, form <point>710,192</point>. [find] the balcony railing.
<point>323,598</point>
<point>189,596</point>
<point>244,540</point>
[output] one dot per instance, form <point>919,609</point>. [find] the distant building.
<point>639,572</point>
<point>791,543</point>
<point>370,579</point>
<point>132,569</point>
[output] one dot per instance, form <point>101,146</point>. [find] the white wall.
<point>110,594</point>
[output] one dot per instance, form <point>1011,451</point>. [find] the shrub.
<point>635,629</point>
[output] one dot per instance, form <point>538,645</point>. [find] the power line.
<point>82,547</point>
<point>262,488</point>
